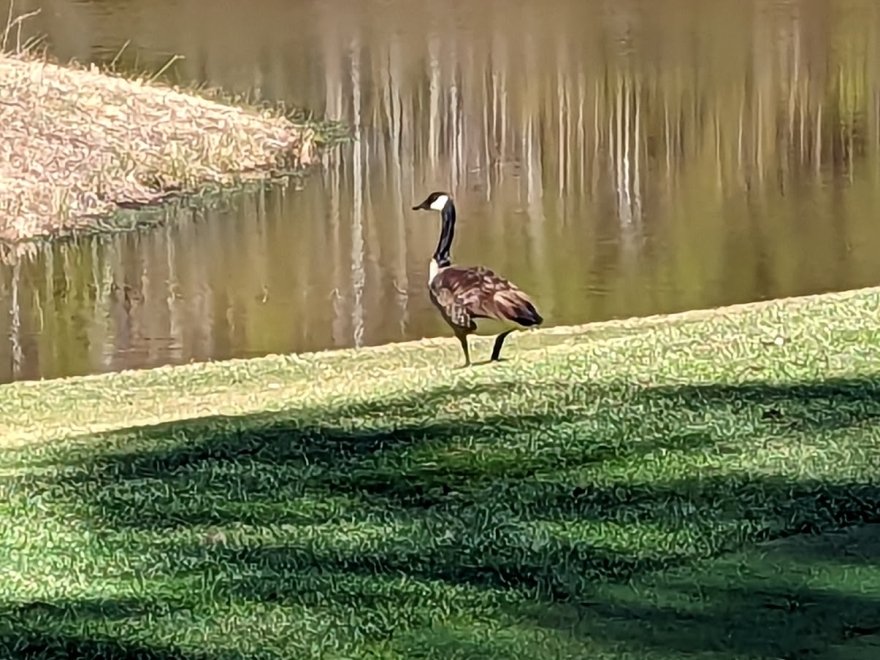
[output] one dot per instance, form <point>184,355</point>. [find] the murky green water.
<point>613,158</point>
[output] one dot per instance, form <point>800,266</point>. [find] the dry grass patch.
<point>77,144</point>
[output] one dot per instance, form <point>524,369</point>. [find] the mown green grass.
<point>668,488</point>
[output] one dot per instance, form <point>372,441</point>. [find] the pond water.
<point>614,158</point>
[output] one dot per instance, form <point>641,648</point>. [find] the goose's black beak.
<point>424,206</point>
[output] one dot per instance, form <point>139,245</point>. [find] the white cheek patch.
<point>439,203</point>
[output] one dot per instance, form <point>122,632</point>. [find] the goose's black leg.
<point>464,346</point>
<point>499,340</point>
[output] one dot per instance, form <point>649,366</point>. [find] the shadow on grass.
<point>401,454</point>
<point>39,629</point>
<point>755,619</point>
<point>32,644</point>
<point>394,517</point>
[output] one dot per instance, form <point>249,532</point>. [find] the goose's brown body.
<point>463,294</point>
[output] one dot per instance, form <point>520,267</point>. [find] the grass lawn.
<point>660,488</point>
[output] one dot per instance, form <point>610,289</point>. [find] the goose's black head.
<point>436,201</point>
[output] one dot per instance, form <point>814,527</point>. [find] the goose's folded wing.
<point>480,293</point>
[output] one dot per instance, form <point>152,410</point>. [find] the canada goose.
<point>465,293</point>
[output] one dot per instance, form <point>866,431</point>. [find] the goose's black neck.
<point>441,254</point>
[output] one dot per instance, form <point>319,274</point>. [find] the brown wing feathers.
<point>515,305</point>
<point>480,293</point>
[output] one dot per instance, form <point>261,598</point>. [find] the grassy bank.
<point>78,144</point>
<point>682,486</point>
